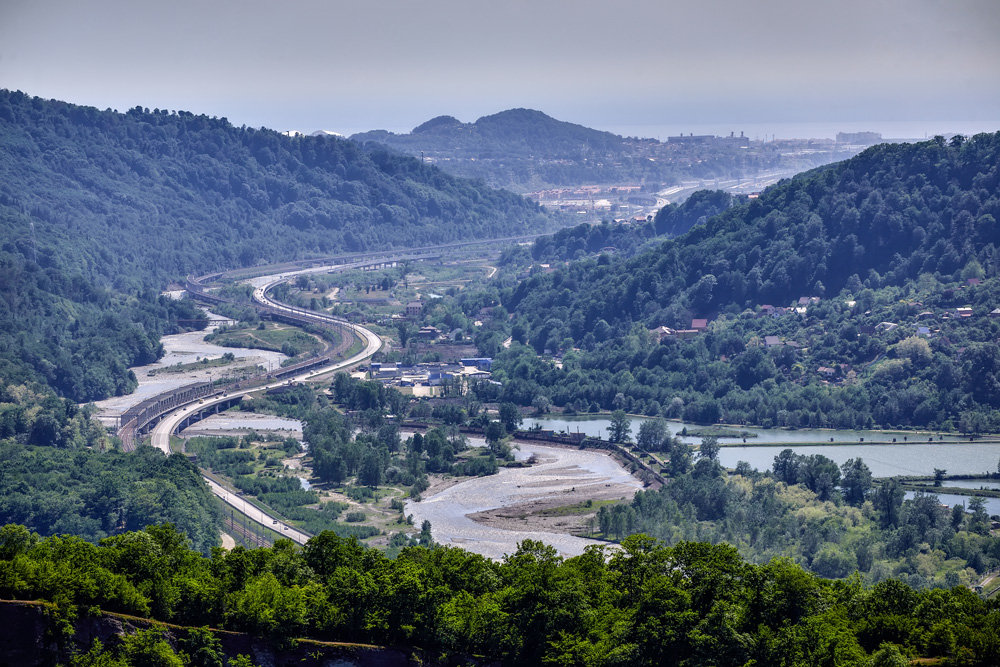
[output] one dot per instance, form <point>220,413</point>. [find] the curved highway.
<point>160,436</point>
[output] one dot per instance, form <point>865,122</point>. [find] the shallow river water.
<point>884,460</point>
<point>234,422</point>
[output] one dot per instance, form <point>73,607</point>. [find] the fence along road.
<point>160,436</point>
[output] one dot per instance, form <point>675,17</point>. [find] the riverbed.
<point>183,348</point>
<point>560,475</point>
<point>234,422</point>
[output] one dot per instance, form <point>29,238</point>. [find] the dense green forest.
<point>83,193</point>
<point>524,149</point>
<point>689,604</point>
<point>59,473</point>
<point>98,185</point>
<point>364,448</point>
<point>892,244</point>
<point>60,329</point>
<point>94,494</point>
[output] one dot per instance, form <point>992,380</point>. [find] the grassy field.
<point>224,360</point>
<point>273,337</point>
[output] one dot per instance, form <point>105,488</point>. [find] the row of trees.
<point>94,495</point>
<point>645,603</point>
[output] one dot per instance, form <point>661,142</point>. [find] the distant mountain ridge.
<point>526,149</point>
<point>517,131</point>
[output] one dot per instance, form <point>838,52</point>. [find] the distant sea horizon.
<point>889,129</point>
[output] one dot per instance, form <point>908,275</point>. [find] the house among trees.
<point>773,311</point>
<point>776,341</point>
<point>699,324</point>
<point>662,332</point>
<point>413,308</point>
<point>429,333</point>
<point>772,341</point>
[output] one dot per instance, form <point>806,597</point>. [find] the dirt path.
<point>227,541</point>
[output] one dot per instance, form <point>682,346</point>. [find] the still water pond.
<point>600,426</point>
<point>884,460</point>
<point>992,505</point>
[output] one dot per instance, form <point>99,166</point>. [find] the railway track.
<point>164,414</point>
<point>139,419</point>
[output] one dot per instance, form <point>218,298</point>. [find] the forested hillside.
<point>623,239</point>
<point>98,210</point>
<point>887,249</point>
<point>94,495</point>
<point>99,185</point>
<point>645,604</point>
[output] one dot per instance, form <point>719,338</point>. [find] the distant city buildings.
<point>689,139</point>
<point>859,138</point>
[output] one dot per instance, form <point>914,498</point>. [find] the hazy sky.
<point>365,64</point>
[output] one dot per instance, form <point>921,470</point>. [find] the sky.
<point>642,67</point>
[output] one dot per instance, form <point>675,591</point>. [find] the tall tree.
<point>620,430</point>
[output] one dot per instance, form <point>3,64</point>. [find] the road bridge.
<point>170,412</point>
<point>166,413</point>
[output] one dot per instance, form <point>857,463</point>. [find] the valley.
<point>500,334</point>
<point>766,373</point>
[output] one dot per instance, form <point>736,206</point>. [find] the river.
<point>884,460</point>
<point>559,471</point>
<point>183,348</point>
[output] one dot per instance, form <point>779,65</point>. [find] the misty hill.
<point>523,132</point>
<point>96,207</point>
<point>886,216</point>
<point>892,243</point>
<point>525,149</point>
<point>111,179</point>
